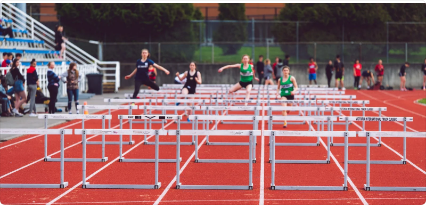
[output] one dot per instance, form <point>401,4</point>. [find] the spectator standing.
<point>312,70</point>
<point>380,70</point>
<point>279,67</point>
<point>329,71</point>
<point>260,69</point>
<point>268,72</point>
<point>71,77</point>
<point>6,30</point>
<point>357,74</point>
<point>32,81</point>
<point>402,75</point>
<point>340,72</point>
<point>60,41</point>
<point>274,68</point>
<point>286,61</point>
<point>52,86</point>
<point>424,74</point>
<point>18,87</point>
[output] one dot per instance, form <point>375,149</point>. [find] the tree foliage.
<point>231,32</point>
<point>159,22</point>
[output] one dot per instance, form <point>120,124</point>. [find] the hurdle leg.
<point>130,126</point>
<point>45,139</point>
<point>157,184</point>
<point>404,156</point>
<point>103,139</point>
<point>251,143</point>
<point>367,184</point>
<point>178,158</point>
<point>144,137</point>
<point>121,141</point>
<point>196,140</point>
<point>84,158</point>
<point>345,184</point>
<point>380,128</point>
<point>272,148</point>
<point>62,185</point>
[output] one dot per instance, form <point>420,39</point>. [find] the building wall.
<point>255,10</point>
<point>48,8</point>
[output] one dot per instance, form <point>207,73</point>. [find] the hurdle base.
<point>298,144</point>
<point>237,123</point>
<point>301,161</point>
<point>109,143</point>
<point>149,160</point>
<point>376,162</point>
<point>216,187</point>
<point>47,186</point>
<point>227,143</point>
<point>49,159</point>
<point>355,145</point>
<point>120,186</point>
<point>310,188</point>
<point>366,188</point>
<point>289,123</point>
<point>223,160</point>
<point>169,143</point>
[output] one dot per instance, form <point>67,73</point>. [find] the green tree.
<point>158,22</point>
<point>231,32</point>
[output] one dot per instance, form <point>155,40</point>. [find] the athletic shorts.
<point>339,76</point>
<point>268,78</point>
<point>245,84</point>
<point>378,75</point>
<point>190,90</point>
<point>366,75</point>
<point>401,74</point>
<point>289,97</point>
<point>312,76</point>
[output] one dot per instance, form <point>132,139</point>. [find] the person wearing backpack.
<point>18,87</point>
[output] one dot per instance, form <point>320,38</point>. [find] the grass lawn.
<point>423,101</point>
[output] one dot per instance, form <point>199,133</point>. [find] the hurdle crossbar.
<point>61,132</point>
<point>75,117</point>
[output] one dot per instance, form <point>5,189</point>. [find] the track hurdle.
<point>387,119</point>
<point>109,108</point>
<point>85,132</point>
<point>274,134</point>
<point>75,117</point>
<point>159,117</point>
<point>309,119</point>
<point>254,119</point>
<point>61,132</point>
<point>113,100</point>
<point>250,133</point>
<point>363,109</point>
<point>404,134</point>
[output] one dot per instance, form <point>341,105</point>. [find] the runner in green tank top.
<point>247,75</point>
<point>287,86</point>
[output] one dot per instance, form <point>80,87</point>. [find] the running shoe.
<point>70,112</point>
<point>32,115</point>
<point>177,104</point>
<point>187,119</point>
<point>77,112</point>
<point>285,124</point>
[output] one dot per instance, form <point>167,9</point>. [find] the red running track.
<point>22,163</point>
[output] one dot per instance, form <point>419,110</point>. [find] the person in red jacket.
<point>357,74</point>
<point>380,70</point>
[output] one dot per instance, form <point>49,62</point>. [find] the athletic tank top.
<point>286,87</point>
<point>151,73</point>
<point>246,75</point>
<point>190,80</point>
<point>312,68</point>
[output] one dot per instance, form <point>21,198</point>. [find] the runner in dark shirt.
<point>329,71</point>
<point>259,68</point>
<point>340,72</point>
<point>402,74</point>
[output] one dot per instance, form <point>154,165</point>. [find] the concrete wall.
<point>230,76</point>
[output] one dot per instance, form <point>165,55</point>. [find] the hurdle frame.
<point>87,185</point>
<point>368,135</point>
<point>61,132</point>
<point>74,117</point>
<point>250,133</point>
<point>273,134</point>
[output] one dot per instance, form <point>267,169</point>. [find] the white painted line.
<point>183,168</point>
<point>97,171</point>
<point>262,164</point>
<point>341,169</point>
<point>393,104</point>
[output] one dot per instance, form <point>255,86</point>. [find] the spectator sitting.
<point>5,100</point>
<point>6,31</point>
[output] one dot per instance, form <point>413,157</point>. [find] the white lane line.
<point>51,155</point>
<point>415,113</point>
<point>183,168</point>
<point>262,163</point>
<point>97,171</point>
<point>341,169</point>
